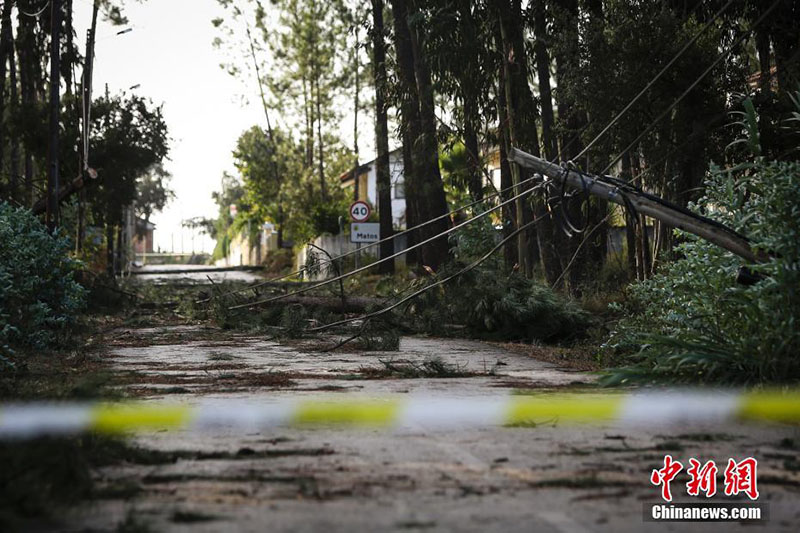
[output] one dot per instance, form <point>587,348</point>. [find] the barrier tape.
<point>638,409</point>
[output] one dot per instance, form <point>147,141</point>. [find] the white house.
<point>368,186</point>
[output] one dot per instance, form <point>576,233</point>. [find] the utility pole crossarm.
<point>660,210</point>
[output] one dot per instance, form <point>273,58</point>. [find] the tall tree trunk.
<point>467,85</point>
<point>549,140</point>
<point>785,36</point>
<point>630,219</point>
<point>69,57</point>
<point>321,163</point>
<point>53,166</point>
<point>508,211</point>
<point>417,113</point>
<point>551,240</point>
<point>572,122</point>
<point>522,133</point>
<point>6,50</point>
<point>382,169</point>
<point>412,204</point>
<point>28,69</point>
<point>409,122</point>
<point>110,250</point>
<point>596,209</point>
<point>309,126</point>
<point>427,153</point>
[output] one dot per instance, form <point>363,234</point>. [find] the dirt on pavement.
<point>545,477</point>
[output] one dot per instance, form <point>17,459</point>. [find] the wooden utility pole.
<point>53,191</point>
<point>647,206</point>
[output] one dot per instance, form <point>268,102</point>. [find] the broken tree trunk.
<point>644,204</point>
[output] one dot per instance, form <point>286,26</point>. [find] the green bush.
<point>693,323</point>
<point>39,299</point>
<point>512,307</point>
<point>491,303</point>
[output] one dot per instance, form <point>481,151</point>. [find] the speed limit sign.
<point>360,211</point>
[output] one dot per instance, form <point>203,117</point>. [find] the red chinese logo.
<point>703,479</point>
<point>665,475</point>
<point>739,477</point>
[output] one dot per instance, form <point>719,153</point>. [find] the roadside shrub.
<point>692,322</point>
<point>493,304</point>
<point>512,307</point>
<point>39,299</point>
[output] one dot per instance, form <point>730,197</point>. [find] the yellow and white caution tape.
<point>640,409</point>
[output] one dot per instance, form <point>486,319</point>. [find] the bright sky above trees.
<point>170,56</point>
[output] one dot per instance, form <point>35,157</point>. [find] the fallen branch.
<point>350,304</point>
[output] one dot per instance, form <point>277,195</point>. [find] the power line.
<point>376,243</point>
<point>691,87</point>
<point>464,270</point>
<point>366,267</point>
<point>655,78</point>
<point>603,132</point>
<point>37,13</point>
<point>654,122</point>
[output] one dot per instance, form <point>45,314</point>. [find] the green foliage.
<point>232,193</point>
<point>693,323</point>
<point>129,141</point>
<point>152,191</point>
<point>513,307</point>
<point>493,304</point>
<point>325,217</point>
<point>39,298</point>
<point>293,321</point>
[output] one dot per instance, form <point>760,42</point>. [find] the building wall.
<point>337,245</point>
<point>241,253</point>
<point>370,177</point>
<point>143,243</point>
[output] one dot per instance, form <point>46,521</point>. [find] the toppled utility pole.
<point>50,203</point>
<point>643,203</point>
<point>86,100</point>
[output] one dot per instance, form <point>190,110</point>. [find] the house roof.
<point>346,176</point>
<point>144,225</point>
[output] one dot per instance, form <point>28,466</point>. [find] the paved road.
<point>544,478</point>
<point>198,274</point>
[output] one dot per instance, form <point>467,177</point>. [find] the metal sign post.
<point>359,212</point>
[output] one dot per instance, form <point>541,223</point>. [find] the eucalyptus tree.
<point>424,189</point>
<point>383,172</point>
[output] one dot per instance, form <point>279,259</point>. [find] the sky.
<point>170,57</point>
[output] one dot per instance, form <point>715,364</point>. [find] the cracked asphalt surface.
<point>545,477</point>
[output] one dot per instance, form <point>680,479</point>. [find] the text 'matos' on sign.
<point>365,232</point>
<point>360,211</point>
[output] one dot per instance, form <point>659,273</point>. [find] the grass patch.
<point>220,356</point>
